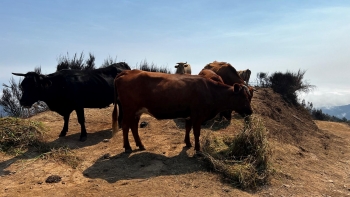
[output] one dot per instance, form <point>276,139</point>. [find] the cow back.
<point>226,71</point>
<point>209,74</point>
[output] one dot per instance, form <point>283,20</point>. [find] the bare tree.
<point>11,96</point>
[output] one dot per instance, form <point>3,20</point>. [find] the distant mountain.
<point>338,111</point>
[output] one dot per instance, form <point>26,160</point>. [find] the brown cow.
<point>183,68</point>
<point>230,76</point>
<point>209,74</point>
<point>245,75</point>
<point>226,71</point>
<point>169,96</point>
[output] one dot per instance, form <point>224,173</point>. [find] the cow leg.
<point>197,133</point>
<point>135,133</point>
<point>81,120</point>
<point>227,114</point>
<point>65,125</point>
<point>187,134</point>
<point>125,128</point>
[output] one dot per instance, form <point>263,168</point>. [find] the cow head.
<point>242,99</point>
<point>32,87</point>
<point>180,67</point>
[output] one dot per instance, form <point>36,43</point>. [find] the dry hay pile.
<point>16,135</point>
<point>243,160</point>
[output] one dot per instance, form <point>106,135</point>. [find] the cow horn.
<point>19,74</point>
<point>247,89</point>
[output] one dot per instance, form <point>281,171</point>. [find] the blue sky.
<point>264,36</point>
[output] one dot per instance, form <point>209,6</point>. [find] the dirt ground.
<point>309,158</point>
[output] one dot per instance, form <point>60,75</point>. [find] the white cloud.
<point>324,97</point>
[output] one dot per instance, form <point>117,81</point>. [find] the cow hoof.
<point>198,154</point>
<point>83,139</point>
<point>142,148</point>
<point>62,135</point>
<point>128,150</point>
<point>188,145</point>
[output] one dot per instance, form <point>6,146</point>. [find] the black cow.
<point>68,90</point>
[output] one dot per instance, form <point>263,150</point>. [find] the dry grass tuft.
<point>16,135</point>
<point>63,155</point>
<point>243,160</point>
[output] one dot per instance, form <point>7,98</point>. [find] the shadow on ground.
<point>142,165</point>
<point>214,124</point>
<point>70,141</point>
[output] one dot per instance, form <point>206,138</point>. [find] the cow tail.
<point>115,113</point>
<point>115,119</point>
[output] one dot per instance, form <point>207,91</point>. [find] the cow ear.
<point>185,65</point>
<point>176,66</point>
<point>236,88</point>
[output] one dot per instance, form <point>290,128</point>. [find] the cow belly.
<point>164,114</point>
<point>97,104</point>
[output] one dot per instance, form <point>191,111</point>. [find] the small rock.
<point>53,179</point>
<point>285,185</point>
<point>106,156</point>
<point>330,181</point>
<point>225,189</point>
<point>40,182</point>
<point>143,124</point>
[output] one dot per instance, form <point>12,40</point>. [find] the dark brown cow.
<point>209,74</point>
<point>230,76</point>
<point>226,71</point>
<point>169,96</point>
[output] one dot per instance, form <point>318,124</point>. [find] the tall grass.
<point>242,160</point>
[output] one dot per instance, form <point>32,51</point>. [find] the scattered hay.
<point>63,155</point>
<point>16,135</point>
<point>243,160</point>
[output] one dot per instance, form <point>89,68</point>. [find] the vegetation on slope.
<point>242,160</point>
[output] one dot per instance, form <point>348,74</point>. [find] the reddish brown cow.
<point>209,74</point>
<point>226,71</point>
<point>230,76</point>
<point>169,96</point>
